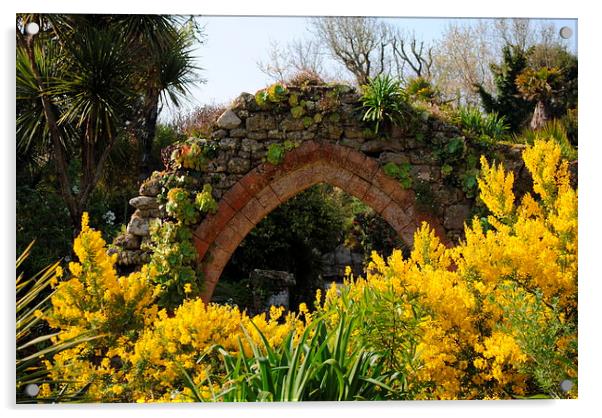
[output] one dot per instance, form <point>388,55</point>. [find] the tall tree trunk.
<point>58,151</point>
<point>541,115</point>
<point>147,132</point>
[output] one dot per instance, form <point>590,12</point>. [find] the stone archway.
<point>267,186</point>
<point>320,133</point>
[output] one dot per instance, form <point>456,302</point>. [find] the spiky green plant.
<point>383,101</point>
<point>490,125</point>
<point>323,365</point>
<point>553,129</point>
<point>32,347</point>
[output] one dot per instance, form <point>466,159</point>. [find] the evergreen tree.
<point>507,100</point>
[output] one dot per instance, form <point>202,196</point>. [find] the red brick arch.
<point>267,186</point>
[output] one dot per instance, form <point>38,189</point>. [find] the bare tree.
<point>463,55</point>
<point>300,55</point>
<point>409,56</point>
<point>358,43</point>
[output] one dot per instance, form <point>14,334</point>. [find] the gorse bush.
<point>492,318</point>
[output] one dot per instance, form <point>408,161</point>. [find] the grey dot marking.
<point>32,390</point>
<point>566,32</point>
<point>566,385</point>
<point>32,28</point>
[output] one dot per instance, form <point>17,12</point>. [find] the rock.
<point>219,134</point>
<point>132,258</point>
<point>245,101</point>
<point>138,226</point>
<point>376,146</point>
<point>144,202</point>
<point>455,216</point>
<point>238,133</point>
<point>151,187</point>
<point>290,124</point>
<point>275,134</point>
<point>393,157</point>
<point>257,135</point>
<point>260,122</point>
<point>228,144</point>
<point>354,132</point>
<point>128,241</point>
<point>276,279</point>
<point>228,120</point>
<point>239,165</point>
<point>250,145</point>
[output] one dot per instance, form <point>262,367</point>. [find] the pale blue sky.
<point>234,45</point>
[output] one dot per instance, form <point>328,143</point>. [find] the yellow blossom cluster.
<point>493,317</point>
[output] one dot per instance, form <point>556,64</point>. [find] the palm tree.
<point>539,86</point>
<point>80,81</point>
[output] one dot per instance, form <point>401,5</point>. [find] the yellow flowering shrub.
<point>494,317</point>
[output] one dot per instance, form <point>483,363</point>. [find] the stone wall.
<point>315,118</point>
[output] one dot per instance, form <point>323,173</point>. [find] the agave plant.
<point>384,101</point>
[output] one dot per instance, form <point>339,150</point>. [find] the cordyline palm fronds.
<point>79,81</point>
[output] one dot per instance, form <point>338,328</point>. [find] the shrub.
<point>419,88</point>
<point>198,123</point>
<point>554,130</point>
<point>383,101</point>
<point>491,125</point>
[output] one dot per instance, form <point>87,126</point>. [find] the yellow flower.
<point>187,288</point>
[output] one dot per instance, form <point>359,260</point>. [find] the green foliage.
<point>554,129</point>
<point>383,101</point>
<point>507,101</point>
<point>538,85</point>
<point>400,172</point>
<point>173,262</point>
<point>204,200</point>
<point>539,338</point>
<point>275,93</point>
<point>33,337</point>
<point>180,206</point>
<point>471,120</point>
<point>323,365</point>
<point>369,232</point>
<point>193,155</point>
<point>419,88</point>
<point>292,238</point>
<point>297,111</point>
<point>276,151</point>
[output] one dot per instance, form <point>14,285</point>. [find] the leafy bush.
<point>400,172</point>
<point>276,152</point>
<point>491,125</point>
<point>554,130</point>
<point>200,122</point>
<point>419,88</point>
<point>494,317</point>
<point>384,102</point>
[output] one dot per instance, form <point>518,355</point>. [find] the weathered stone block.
<point>238,133</point>
<point>228,120</point>
<point>144,202</point>
<point>261,122</point>
<point>138,226</point>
